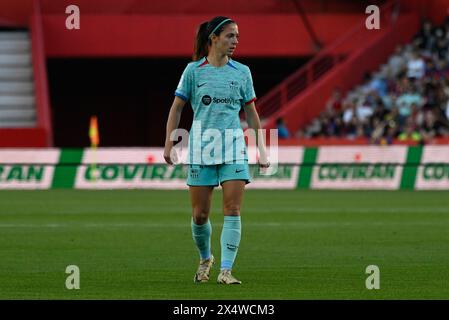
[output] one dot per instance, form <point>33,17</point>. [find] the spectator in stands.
<point>446,27</point>
<point>390,135</point>
<point>377,130</point>
<point>393,118</point>
<point>440,50</point>
<point>442,122</point>
<point>283,132</point>
<point>378,86</point>
<point>401,85</point>
<point>433,91</point>
<point>352,128</point>
<point>435,125</point>
<point>410,133</point>
<point>331,125</point>
<point>326,126</point>
<point>416,116</point>
<point>431,69</point>
<point>377,118</point>
<point>406,100</point>
<point>397,62</point>
<point>361,130</point>
<point>335,102</point>
<point>338,127</point>
<point>443,68</point>
<point>364,111</point>
<point>429,129</point>
<point>389,100</point>
<point>384,133</point>
<point>349,111</point>
<point>416,66</point>
<point>425,38</point>
<point>313,129</point>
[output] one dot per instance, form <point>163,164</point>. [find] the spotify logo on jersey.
<point>206,100</point>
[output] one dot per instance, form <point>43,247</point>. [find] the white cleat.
<point>225,277</point>
<point>202,274</point>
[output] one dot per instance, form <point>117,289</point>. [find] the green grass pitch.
<point>136,244</point>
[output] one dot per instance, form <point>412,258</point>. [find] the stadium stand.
<point>406,99</point>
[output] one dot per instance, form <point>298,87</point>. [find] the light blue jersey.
<point>216,94</point>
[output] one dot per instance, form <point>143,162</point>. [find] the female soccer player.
<point>217,87</point>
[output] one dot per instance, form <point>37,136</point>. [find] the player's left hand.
<point>264,163</point>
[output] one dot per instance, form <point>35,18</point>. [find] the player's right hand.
<point>170,155</point>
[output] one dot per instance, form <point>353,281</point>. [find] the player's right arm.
<point>172,124</point>
<point>182,95</point>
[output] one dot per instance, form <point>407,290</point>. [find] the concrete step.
<point>18,115</point>
<point>15,60</point>
<point>17,124</point>
<point>16,73</point>
<point>15,46</point>
<point>14,35</point>
<point>4,108</point>
<point>16,88</point>
<point>15,100</point>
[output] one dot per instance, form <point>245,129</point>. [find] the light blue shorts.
<point>214,175</point>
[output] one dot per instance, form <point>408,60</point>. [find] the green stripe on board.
<point>65,170</point>
<point>305,173</point>
<point>411,168</point>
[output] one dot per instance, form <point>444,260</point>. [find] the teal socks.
<point>230,240</point>
<point>201,236</point>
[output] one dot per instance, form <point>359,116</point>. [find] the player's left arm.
<point>252,117</point>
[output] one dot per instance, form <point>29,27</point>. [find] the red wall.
<point>18,11</point>
<point>167,27</point>
<point>436,10</point>
<point>156,35</point>
<point>23,138</point>
<point>209,7</point>
<point>116,27</point>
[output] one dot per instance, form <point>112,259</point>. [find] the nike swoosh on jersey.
<point>200,85</point>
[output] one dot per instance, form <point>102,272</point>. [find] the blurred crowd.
<point>407,99</point>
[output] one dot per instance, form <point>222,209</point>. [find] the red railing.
<point>40,73</point>
<point>324,61</point>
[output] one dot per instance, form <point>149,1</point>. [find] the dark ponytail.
<point>202,40</point>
